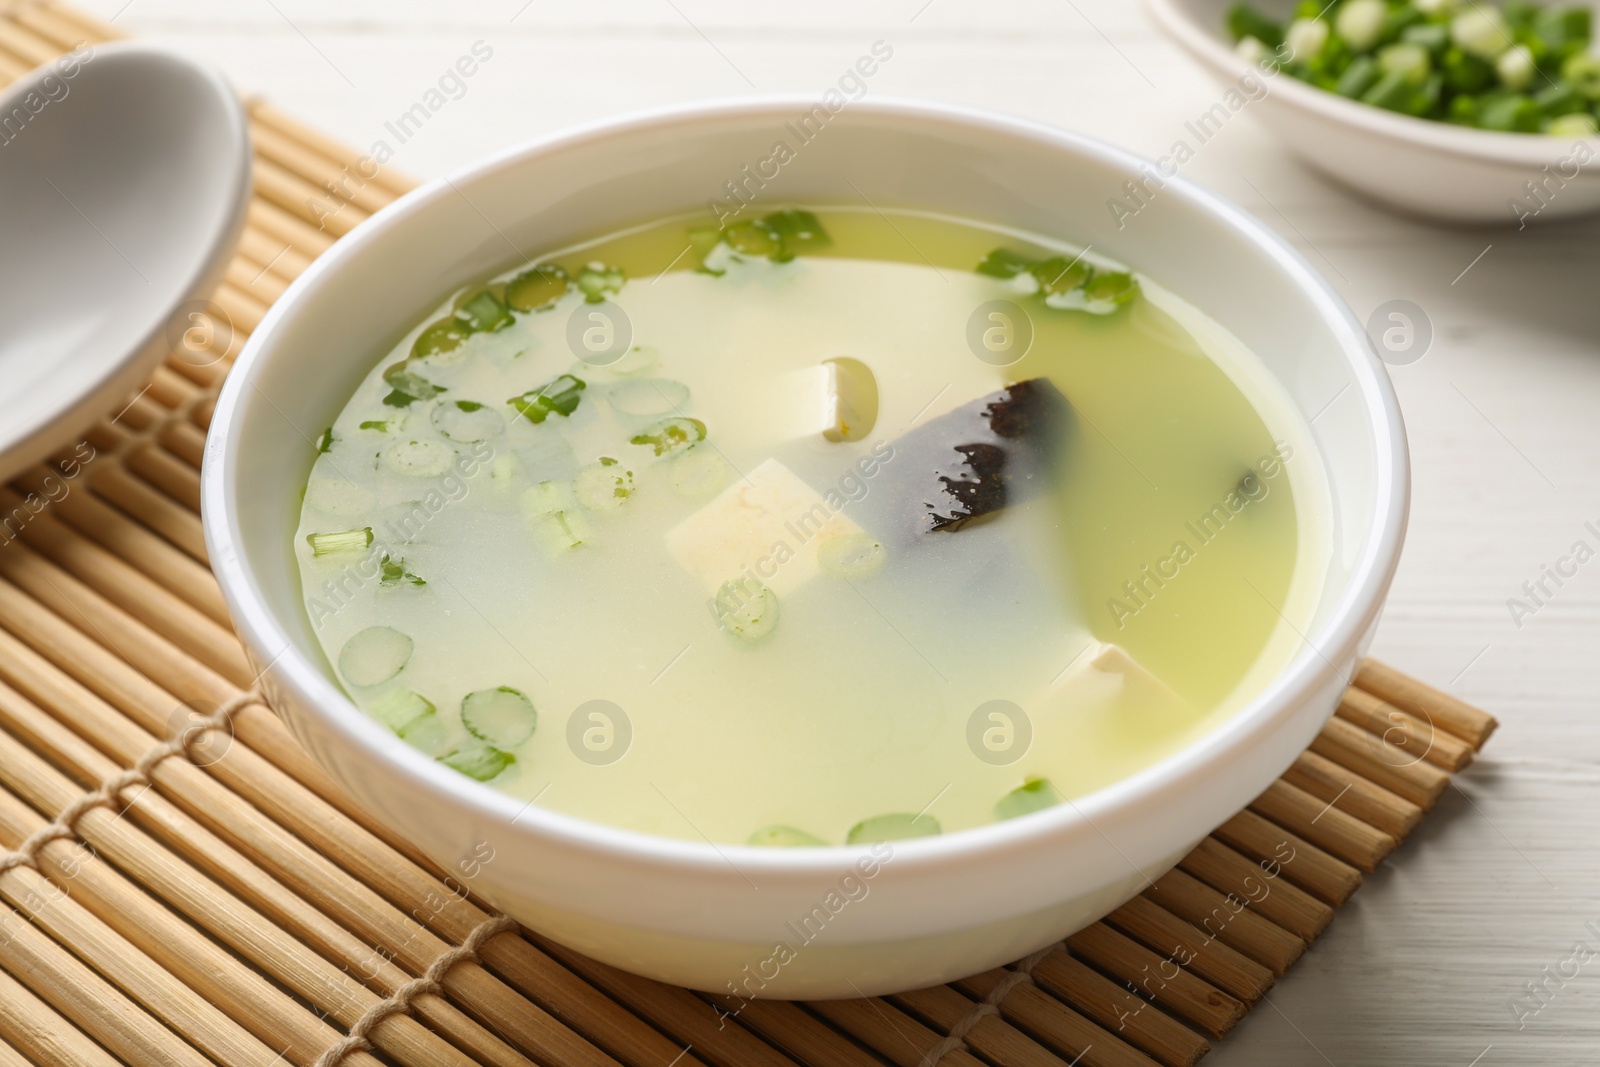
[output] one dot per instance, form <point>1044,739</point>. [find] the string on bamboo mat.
<point>990,1005</point>
<point>430,981</point>
<point>107,794</point>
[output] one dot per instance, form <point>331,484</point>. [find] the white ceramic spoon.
<point>124,178</point>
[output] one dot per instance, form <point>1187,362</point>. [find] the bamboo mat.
<point>180,885</point>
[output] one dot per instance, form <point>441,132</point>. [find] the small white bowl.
<point>1432,169</point>
<point>703,916</point>
<point>124,179</point>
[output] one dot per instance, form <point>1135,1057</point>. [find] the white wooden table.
<point>1504,414</point>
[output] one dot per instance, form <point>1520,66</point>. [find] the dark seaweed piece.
<point>978,489</point>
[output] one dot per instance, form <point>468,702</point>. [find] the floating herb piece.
<point>798,232</point>
<point>480,762</point>
<point>381,425</point>
<point>747,609</point>
<point>538,288</point>
<point>393,571</point>
<point>339,542</point>
<point>599,282</point>
<point>440,338</point>
<point>894,827</point>
<point>503,717</point>
<point>374,655</point>
<point>603,486</point>
<point>559,395</point>
<point>407,386</point>
<point>1109,290</point>
<point>671,435</point>
<point>1004,263</point>
<point>484,313</point>
<point>466,420</point>
<point>1035,794</point>
<point>325,441</point>
<point>779,836</point>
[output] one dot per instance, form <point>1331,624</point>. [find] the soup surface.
<point>829,527</point>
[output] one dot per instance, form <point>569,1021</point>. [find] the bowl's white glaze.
<point>124,177</point>
<point>704,916</point>
<point>1450,173</point>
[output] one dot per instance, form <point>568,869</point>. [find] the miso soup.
<point>830,526</point>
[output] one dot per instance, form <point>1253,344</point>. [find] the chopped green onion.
<point>1410,61</point>
<point>382,425</point>
<point>852,555</point>
<point>1109,290</point>
<point>559,395</point>
<point>895,827</point>
<point>342,541</point>
<point>747,609</point>
<point>1358,77</point>
<point>1583,72</point>
<point>399,708</point>
<point>1306,38</point>
<point>418,459</point>
<point>603,486</point>
<point>552,510</point>
<point>798,232</point>
<point>484,313</point>
<point>407,387</point>
<point>671,435</point>
<point>779,836</point>
<point>1058,274</point>
<point>1360,23</point>
<point>1481,31</point>
<point>561,531</point>
<point>1432,37</point>
<point>1467,73</point>
<point>1515,66</point>
<point>480,762</point>
<point>698,473</point>
<point>599,282</point>
<point>1512,113</point>
<point>635,360</point>
<point>503,716</point>
<point>753,239</point>
<point>466,420</point>
<point>1245,21</point>
<point>440,338</point>
<point>648,396</point>
<point>1035,794</point>
<point>373,656</point>
<point>538,288</point>
<point>325,441</point>
<point>702,239</point>
<point>393,572</point>
<point>1004,263</point>
<point>1580,124</point>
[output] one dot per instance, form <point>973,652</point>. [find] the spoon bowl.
<point>124,178</point>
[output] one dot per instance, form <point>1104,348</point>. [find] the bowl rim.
<point>1154,787</point>
<point>1534,151</point>
<point>54,425</point>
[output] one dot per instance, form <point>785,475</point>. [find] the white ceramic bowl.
<point>1439,171</point>
<point>683,911</point>
<point>124,178</point>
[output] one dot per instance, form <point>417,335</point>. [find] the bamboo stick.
<point>78,24</point>
<point>789,1029</point>
<point>1369,756</point>
<point>1424,701</point>
<point>159,817</point>
<point>343,182</point>
<point>1197,903</point>
<point>901,1039</point>
<point>266,115</point>
<point>992,1036</point>
<point>157,511</point>
<point>306,869</point>
<point>1324,825</point>
<point>135,593</point>
<point>207,376</point>
<point>242,309</point>
<point>169,390</point>
<point>194,959</point>
<point>303,237</point>
<point>1227,968</point>
<point>184,440</point>
<point>1159,1036</point>
<point>254,279</point>
<point>675,1011</point>
<point>135,544</point>
<point>41,1033</point>
<point>1351,793</point>
<point>12,68</point>
<point>1163,982</point>
<point>72,925</point>
<point>1276,900</point>
<point>1051,1022</point>
<point>278,258</point>
<point>10,1057</point>
<point>25,44</point>
<point>306,202</point>
<point>96,1006</point>
<point>1416,736</point>
<point>165,471</point>
<point>1324,876</point>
